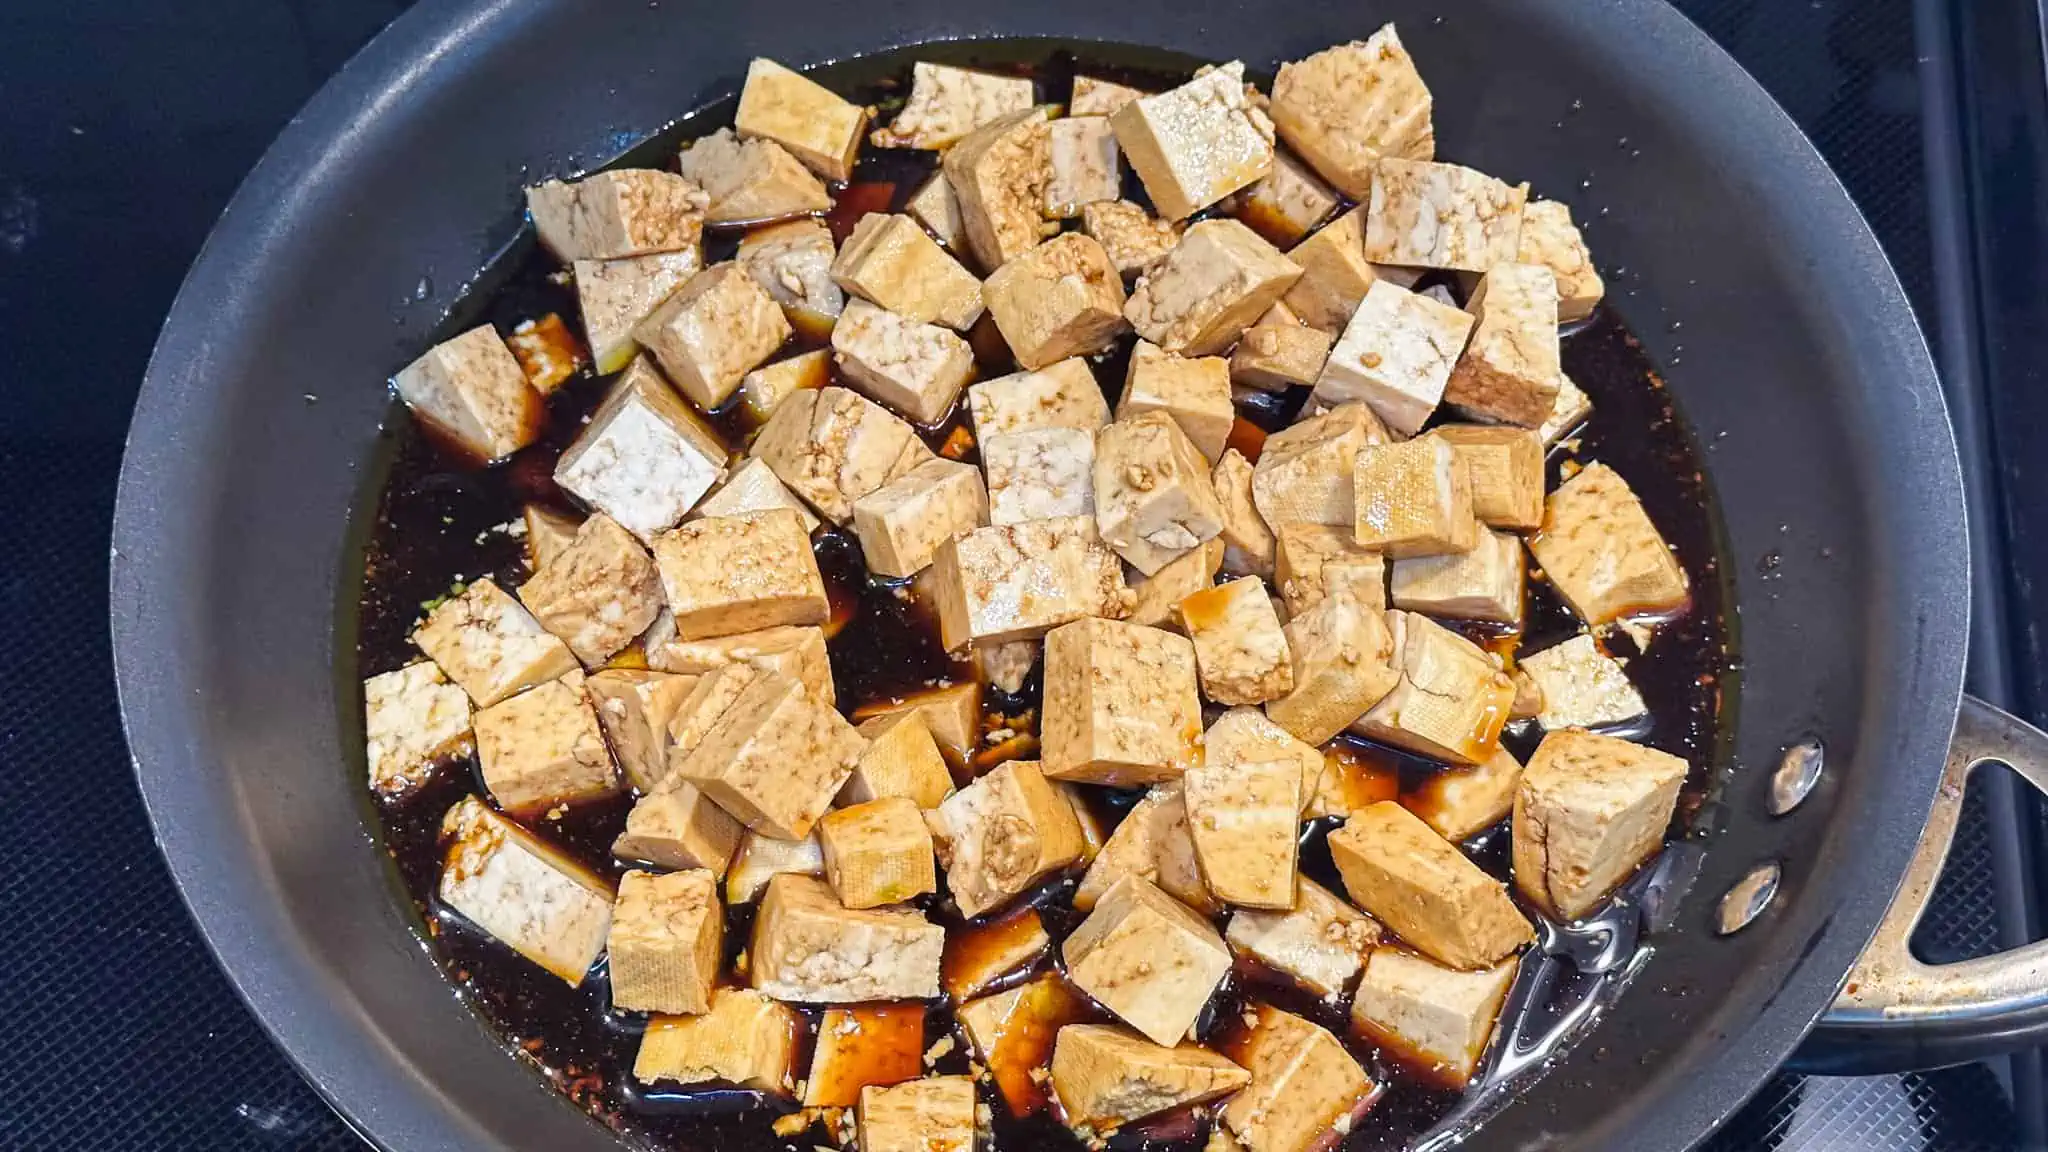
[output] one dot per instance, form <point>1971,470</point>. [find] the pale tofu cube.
<point>1153,498</point>
<point>1039,474</point>
<point>611,215</point>
<point>1156,598</point>
<point>776,758</point>
<point>1279,352</point>
<point>1244,735</point>
<point>1153,842</point>
<point>1059,299</point>
<point>816,126</point>
<point>981,956</point>
<point>1435,1021</point>
<point>947,103</point>
<point>892,262</point>
<point>1144,956</point>
<point>1426,215</point>
<point>1348,106</point>
<point>1240,649</point>
<point>1194,390</point>
<point>1060,395</point>
<point>598,595</point>
<point>764,389</point>
<point>1509,373</point>
<point>1083,158</point>
<point>1590,810</point>
<point>1452,701</point>
<point>1107,1076</point>
<point>726,575</point>
<point>665,941</point>
<point>863,1045</point>
<point>490,645</point>
<point>634,707</point>
<point>1312,560</point>
<point>808,947</point>
<point>1396,355</point>
<point>1424,890</point>
<point>1334,273</point>
<point>613,296</point>
<point>1134,238</point>
<point>936,207</point>
<point>760,859</point>
<point>1483,584</point>
<point>1202,296</point>
<point>1018,581</point>
<point>832,447</point>
<point>677,827</point>
<point>998,173</point>
<point>1243,817</point>
<point>1304,1084</point>
<point>1571,409</point>
<point>645,458</point>
<point>473,389</point>
<point>413,721</point>
<point>1582,686</point>
<point>713,331</point>
<point>1288,203</point>
<point>1551,239</point>
<point>878,852</point>
<point>1002,834</point>
<point>792,262</point>
<point>544,748</point>
<point>1320,943</point>
<point>916,369</point>
<point>752,487</point>
<point>1121,706</point>
<point>522,891</point>
<point>935,1114</point>
<point>951,711</point>
<point>902,759</point>
<point>1247,541</point>
<point>1505,465</point>
<point>902,524</point>
<point>746,1039</point>
<point>1602,553</point>
<point>796,652</point>
<point>751,181</point>
<point>1343,659</point>
<point>1195,144</point>
<point>548,534</point>
<point>1413,499</point>
<point>1460,803</point>
<point>1305,471</point>
<point>1005,666</point>
<point>1094,96</point>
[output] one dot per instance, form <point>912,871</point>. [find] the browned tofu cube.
<point>998,173</point>
<point>1247,541</point>
<point>1240,650</point>
<point>1413,499</point>
<point>751,181</point>
<point>1305,471</point>
<point>548,534</point>
<point>1107,1076</point>
<point>599,594</point>
<point>1353,777</point>
<point>1602,553</point>
<point>902,523</point>
<point>1094,96</point>
<point>703,708</point>
<point>1343,665</point>
<point>752,487</point>
<point>1209,289</point>
<point>1002,834</point>
<point>488,643</point>
<point>1153,498</point>
<point>615,214</point>
<point>634,708</point>
<point>1279,352</point>
<point>1121,707</point>
<point>1551,239</point>
<point>1347,106</point>
<point>1060,395</point>
<point>522,891</point>
<point>544,748</point>
<point>901,759</point>
<point>1304,1084</point>
<point>1012,1033</point>
<point>1144,956</point>
<point>1134,238</point>
<point>1434,1021</point>
<point>878,853</point>
<point>981,956</point>
<point>798,653</point>
<point>1320,943</point>
<point>1460,803</point>
<point>1424,890</point>
<point>1441,216</point>
<point>645,458</point>
<point>776,758</point>
<point>1194,390</point>
<point>1396,354</point>
<point>1039,474</point>
<point>1589,811</point>
<point>947,103</point>
<point>832,447</point>
<point>810,948</point>
<point>615,295</point>
<point>1334,273</point>
<point>1243,817</point>
<point>413,721</point>
<point>1058,299</point>
<point>936,207</point>
<point>1195,144</point>
<point>1152,842</point>
<point>1083,158</point>
<point>1483,584</point>
<point>746,1038</point>
<point>980,581</point>
<point>1571,409</point>
<point>764,389</point>
<point>916,369</point>
<point>792,262</point>
<point>1509,372</point>
<point>1312,559</point>
<point>1452,700</point>
<point>546,351</point>
<point>796,112</point>
<point>1156,598</point>
<point>1506,468</point>
<point>952,711</point>
<point>1288,203</point>
<point>891,261</point>
<point>1245,735</point>
<point>666,933</point>
<point>726,575</point>
<point>760,859</point>
<point>713,331</point>
<point>473,389</point>
<point>1581,686</point>
<point>935,1114</point>
<point>676,827</point>
<point>862,1045</point>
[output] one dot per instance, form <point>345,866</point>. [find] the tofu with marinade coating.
<point>1144,956</point>
<point>1084,164</point>
<point>1343,660</point>
<point>751,181</point>
<point>1134,239</point>
<point>1424,890</point>
<point>1107,1077</point>
<point>1425,215</point>
<point>1239,646</point>
<point>917,370</point>
<point>809,948</point>
<point>1153,498</point>
<point>666,936</point>
<point>878,853</point>
<point>1003,833</point>
<point>1039,474</point>
<point>1280,352</point>
<point>1194,390</point>
<point>1460,803</point>
<point>902,759</point>
<point>1204,293</point>
<point>413,721</point>
<point>488,643</point>
<point>1247,541</point>
<point>902,524</point>
<point>760,859</point>
<point>676,827</point>
<point>645,458</point>
<point>752,487</point>
<point>935,1114</point>
<point>1304,1084</point>
<point>746,1039</point>
<point>1063,394</point>
<point>1321,942</point>
<point>776,757</point>
<point>1243,816</point>
<point>815,125</point>
<point>1505,465</point>
<point>1452,700</point>
<point>1121,705</point>
<point>1551,239</point>
<point>1348,106</point>
<point>893,263</point>
<point>1153,841</point>
<point>980,581</point>
<point>998,173</point>
<point>618,213</point>
<point>1287,203</point>
<point>1432,1020</point>
<point>1413,499</point>
<point>522,891</point>
<point>613,296</point>
<point>796,652</point>
<point>599,594</point>
<point>726,575</point>
<point>792,262</point>
<point>1195,144</point>
<point>1582,686</point>
<point>1094,96</point>
<point>1483,584</point>
<point>1155,599</point>
<point>832,446</point>
<point>1590,810</point>
<point>634,707</point>
<point>1304,474</point>
<point>1310,560</point>
<point>1509,373</point>
<point>1396,354</point>
<point>947,103</point>
<point>1603,554</point>
<point>1060,299</point>
<point>544,748</point>
<point>473,389</point>
<point>712,332</point>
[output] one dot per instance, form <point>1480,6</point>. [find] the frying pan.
<point>1798,366</point>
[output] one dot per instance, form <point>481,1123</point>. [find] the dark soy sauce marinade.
<point>437,525</point>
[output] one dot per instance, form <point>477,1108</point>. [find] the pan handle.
<point>1896,1013</point>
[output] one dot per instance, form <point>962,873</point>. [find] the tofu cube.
<point>951,711</point>
<point>1279,352</point>
<point>1312,560</point>
<point>862,1045</point>
<point>1483,584</point>
<point>1551,239</point>
<point>726,575</point>
<point>634,707</point>
<point>807,947</point>
<point>1106,1076</point>
<point>1590,810</point>
<point>666,937</point>
<point>1343,659</point>
<point>935,1114</point>
<point>1602,553</point>
<point>1153,842</point>
<point>1413,499</point>
<point>1156,598</point>
<point>1304,1084</point>
<point>891,261</point>
<point>1039,474</point>
<point>832,447</point>
<point>796,652</point>
<point>1505,465</point>
<point>1202,296</point>
<point>546,351</point>
<point>746,1039</point>
<point>1509,372</point>
<point>1144,956</point>
<point>1083,158</point>
<point>753,487</point>
<point>1013,1034</point>
<point>947,103</point>
<point>1061,395</point>
<point>751,181</point>
<point>1428,215</point>
<point>760,859</point>
<point>1002,834</point>
<point>1434,1021</point>
<point>1582,686</point>
<point>1245,735</point>
<point>878,853</point>
<point>1056,300</point>
<point>792,262</point>
<point>1240,649</point>
<point>1460,803</point>
<point>1396,355</point>
<point>1287,203</point>
<point>916,369</point>
<point>413,720</point>
<point>544,748</point>
<point>1094,96</point>
<point>645,458</point>
<point>1348,106</point>
<point>1320,943</point>
<point>490,645</point>
<point>1424,890</point>
<point>1194,390</point>
<point>1247,541</point>
<point>613,296</point>
<point>713,331</point>
<point>1195,144</point>
<point>980,956</point>
<point>1121,707</point>
<point>1243,817</point>
<point>1005,666</point>
<point>703,709</point>
<point>902,524</point>
<point>776,758</point>
<point>1334,273</point>
<point>1452,700</point>
<point>1153,498</point>
<point>615,214</point>
<point>598,595</point>
<point>548,534</point>
<point>817,127</point>
<point>1570,410</point>
<point>998,173</point>
<point>676,827</point>
<point>936,207</point>
<point>1019,581</point>
<point>1305,471</point>
<point>901,759</point>
<point>1134,239</point>
<point>522,891</point>
<point>472,389</point>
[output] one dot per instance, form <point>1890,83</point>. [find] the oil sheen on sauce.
<point>437,522</point>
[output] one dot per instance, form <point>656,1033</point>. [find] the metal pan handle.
<point>1896,1013</point>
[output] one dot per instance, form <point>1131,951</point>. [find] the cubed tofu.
<point>645,458</point>
<point>544,748</point>
<point>936,207</point>
<point>1018,581</point>
<point>613,296</point>
<point>1287,203</point>
<point>1304,1084</point>
<point>1013,1033</point>
<point>1039,474</point>
<point>1424,890</point>
<point>792,262</point>
<point>1247,541</point>
<point>1244,735</point>
<point>751,181</point>
<point>951,711</point>
<point>1194,390</point>
<point>816,126</point>
<point>1240,650</point>
<point>1059,299</point>
<point>1589,811</point>
<point>1429,215</point>
<point>1153,498</point>
<point>935,1114</point>
<point>1243,817</point>
<point>615,214</point>
<point>1505,465</point>
<point>522,891</point>
<point>832,447</point>
<point>916,369</point>
<point>1144,956</point>
<point>1195,144</point>
<point>1310,560</point>
<point>1396,355</point>
<point>1343,656</point>
<point>1434,1021</point>
<point>947,103</point>
<point>1208,290</point>
<point>1084,165</point>
<point>700,712</point>
<point>810,948</point>
<point>901,759</point>
<point>1483,584</point>
<point>1004,667</point>
<point>878,852</point>
<point>1452,701</point>
<point>998,173</point>
<point>1121,705</point>
<point>1279,352</point>
<point>1154,842</point>
<point>892,262</point>
<point>1106,1076</point>
<point>983,955</point>
<point>1551,239</point>
<point>1509,373</point>
<point>1060,395</point>
<point>1002,834</point>
<point>765,388</point>
<point>863,1045</point>
<point>472,389</point>
<point>1305,471</point>
<point>1348,106</point>
<point>1320,943</point>
<point>1156,598</point>
<point>413,721</point>
<point>746,1039</point>
<point>1570,410</point>
<point>547,352</point>
<point>677,827</point>
<point>1582,686</point>
<point>1134,238</point>
<point>776,758</point>
<point>1460,803</point>
<point>760,859</point>
<point>1094,96</point>
<point>713,331</point>
<point>902,524</point>
<point>488,643</point>
<point>752,487</point>
<point>599,594</point>
<point>1602,553</point>
<point>633,707</point>
<point>665,940</point>
<point>1413,499</point>
<point>548,534</point>
<point>1334,273</point>
<point>796,652</point>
